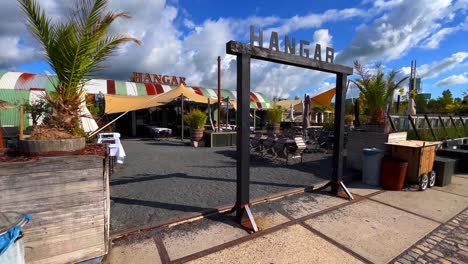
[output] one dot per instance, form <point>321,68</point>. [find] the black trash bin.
<point>444,169</point>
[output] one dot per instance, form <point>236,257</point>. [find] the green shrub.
<point>349,118</point>
<point>274,115</point>
<point>440,133</point>
<point>195,119</point>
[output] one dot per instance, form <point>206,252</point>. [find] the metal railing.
<point>439,127</point>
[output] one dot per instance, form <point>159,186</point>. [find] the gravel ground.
<point>163,179</point>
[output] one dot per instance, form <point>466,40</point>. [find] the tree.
<point>36,109</point>
<point>377,89</point>
<point>446,98</point>
<point>74,49</point>
<point>421,104</point>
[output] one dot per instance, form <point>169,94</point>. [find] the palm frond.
<point>74,49</point>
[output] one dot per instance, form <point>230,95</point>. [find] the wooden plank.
<point>78,255</point>
<point>238,48</point>
<point>38,252</point>
<point>414,143</point>
<point>106,185</point>
<point>47,178</point>
<point>397,137</point>
<point>412,156</point>
<point>51,164</point>
<point>70,209</point>
<point>31,194</point>
<point>57,203</point>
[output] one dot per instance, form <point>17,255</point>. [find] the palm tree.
<point>377,89</point>
<point>74,49</point>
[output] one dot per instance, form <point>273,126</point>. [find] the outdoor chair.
<point>297,151</point>
<point>256,143</point>
<point>313,143</point>
<point>280,148</point>
<point>326,139</point>
<point>289,133</point>
<point>268,146</point>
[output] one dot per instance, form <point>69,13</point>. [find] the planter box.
<point>220,139</point>
<point>56,145</point>
<point>358,140</point>
<point>68,198</point>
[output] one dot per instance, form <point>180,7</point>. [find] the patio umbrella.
<point>291,113</point>
<point>88,124</point>
<point>305,117</point>
<point>209,114</point>
<point>356,121</point>
<point>411,107</point>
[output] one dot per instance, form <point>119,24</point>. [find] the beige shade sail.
<point>286,104</point>
<point>177,92</point>
<point>121,103</point>
<point>323,98</point>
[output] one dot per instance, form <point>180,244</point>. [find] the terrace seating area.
<point>291,144</point>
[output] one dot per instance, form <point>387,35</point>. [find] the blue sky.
<point>185,37</point>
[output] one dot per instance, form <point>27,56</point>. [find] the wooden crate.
<point>419,154</point>
<point>68,198</point>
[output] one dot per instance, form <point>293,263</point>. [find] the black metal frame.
<point>245,53</point>
<point>410,118</point>
<point>430,127</point>
<point>455,126</point>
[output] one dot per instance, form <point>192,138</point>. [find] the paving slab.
<point>193,237</point>
<point>458,186</point>
<point>266,215</point>
<point>374,231</point>
<point>299,206</point>
<point>142,252</point>
<point>360,188</point>
<point>294,244</point>
<point>440,206</point>
<point>464,175</point>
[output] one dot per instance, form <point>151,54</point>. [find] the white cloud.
<point>454,79</point>
<point>170,49</point>
<point>316,20</point>
<point>433,41</point>
<point>433,70</point>
<point>397,30</point>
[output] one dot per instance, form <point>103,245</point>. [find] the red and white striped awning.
<point>38,82</point>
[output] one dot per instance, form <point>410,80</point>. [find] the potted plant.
<point>349,120</point>
<point>74,49</point>
<point>377,90</point>
<point>196,120</point>
<point>273,118</point>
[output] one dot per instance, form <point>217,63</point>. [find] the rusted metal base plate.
<point>246,219</point>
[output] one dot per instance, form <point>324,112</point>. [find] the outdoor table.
<point>115,149</point>
<point>155,130</point>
